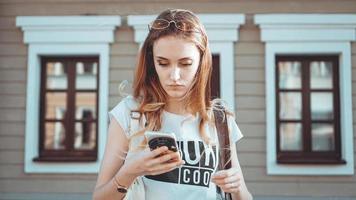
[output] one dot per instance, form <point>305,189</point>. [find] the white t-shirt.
<point>192,181</point>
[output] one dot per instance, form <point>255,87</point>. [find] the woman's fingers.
<point>163,159</point>
<point>225,173</point>
<point>227,180</point>
<point>158,151</point>
<point>163,168</point>
<point>231,187</point>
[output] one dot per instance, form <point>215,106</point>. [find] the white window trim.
<point>65,35</point>
<point>222,30</point>
<point>309,34</point>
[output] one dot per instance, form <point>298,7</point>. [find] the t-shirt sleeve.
<point>234,130</point>
<point>121,113</point>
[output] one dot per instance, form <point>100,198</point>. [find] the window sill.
<point>284,159</point>
<point>65,159</point>
<point>311,161</point>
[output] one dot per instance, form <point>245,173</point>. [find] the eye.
<point>186,64</point>
<point>163,64</point>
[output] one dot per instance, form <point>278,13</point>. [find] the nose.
<point>175,74</point>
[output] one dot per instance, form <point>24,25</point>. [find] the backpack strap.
<point>224,147</point>
<point>224,139</point>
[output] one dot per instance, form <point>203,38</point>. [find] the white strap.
<point>135,122</point>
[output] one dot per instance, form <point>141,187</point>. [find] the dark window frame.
<point>69,154</point>
<point>307,156</point>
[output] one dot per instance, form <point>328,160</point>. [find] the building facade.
<point>287,68</point>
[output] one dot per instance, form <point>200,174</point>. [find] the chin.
<point>176,95</point>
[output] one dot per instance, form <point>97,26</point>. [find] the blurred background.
<point>287,68</point>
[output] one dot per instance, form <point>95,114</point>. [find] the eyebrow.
<point>185,58</point>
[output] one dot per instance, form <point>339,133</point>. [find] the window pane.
<point>85,105</point>
<point>56,104</point>
<point>54,135</point>
<point>322,105</point>
<point>289,75</point>
<point>86,75</point>
<point>85,135</point>
<point>321,75</point>
<point>56,76</point>
<point>290,105</point>
<point>290,136</point>
<point>323,137</point>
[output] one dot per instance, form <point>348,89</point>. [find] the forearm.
<point>108,191</point>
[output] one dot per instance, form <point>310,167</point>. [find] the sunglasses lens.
<point>184,26</point>
<point>160,24</point>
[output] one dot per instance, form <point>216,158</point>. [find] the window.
<point>67,36</point>
<point>307,115</point>
<point>309,35</point>
<point>69,107</point>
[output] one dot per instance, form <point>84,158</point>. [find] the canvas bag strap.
<point>136,190</point>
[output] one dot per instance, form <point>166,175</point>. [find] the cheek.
<point>192,73</point>
<point>162,76</point>
<point>158,72</point>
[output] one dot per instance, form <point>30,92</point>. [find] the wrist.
<point>120,188</point>
<point>124,177</point>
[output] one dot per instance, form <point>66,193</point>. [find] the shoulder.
<point>127,103</point>
<point>235,132</point>
<point>130,102</point>
<point>121,112</point>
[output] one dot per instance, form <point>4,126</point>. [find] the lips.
<point>176,87</point>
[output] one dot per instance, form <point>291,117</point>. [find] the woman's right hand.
<point>147,162</point>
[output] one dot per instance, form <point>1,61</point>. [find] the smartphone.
<point>158,139</point>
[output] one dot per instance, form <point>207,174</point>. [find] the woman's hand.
<point>147,162</point>
<point>228,180</point>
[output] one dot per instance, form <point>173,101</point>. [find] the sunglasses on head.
<point>160,24</point>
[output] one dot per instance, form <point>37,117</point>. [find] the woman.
<point>171,93</point>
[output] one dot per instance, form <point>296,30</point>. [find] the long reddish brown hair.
<point>147,89</point>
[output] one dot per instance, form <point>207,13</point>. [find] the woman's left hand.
<point>228,180</point>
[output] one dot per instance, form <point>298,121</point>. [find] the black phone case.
<point>163,141</point>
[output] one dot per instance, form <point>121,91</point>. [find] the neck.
<point>177,106</point>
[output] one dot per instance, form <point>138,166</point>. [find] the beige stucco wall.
<point>249,84</point>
